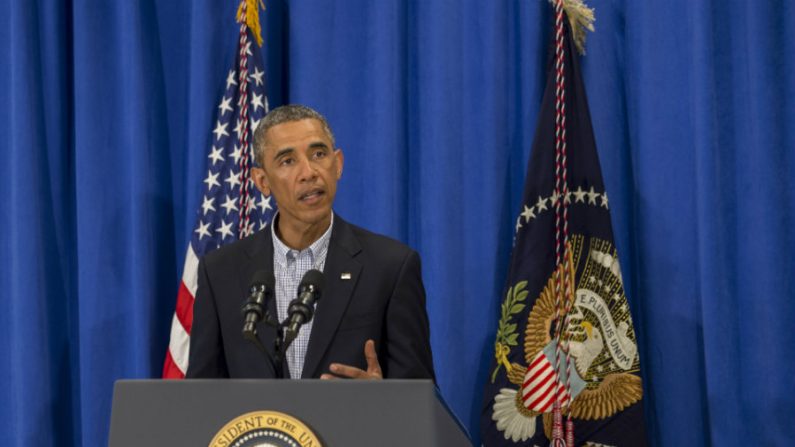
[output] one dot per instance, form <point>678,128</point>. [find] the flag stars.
<point>237,154</point>
<point>229,205</point>
<point>553,199</point>
<point>230,80</point>
<point>528,213</point>
<point>215,154</point>
<point>233,179</point>
<point>254,124</point>
<point>542,204</point>
<point>207,205</point>
<point>264,204</point>
<point>211,180</point>
<point>579,195</point>
<point>604,200</point>
<point>256,102</point>
<point>257,78</point>
<point>226,105</point>
<point>566,197</point>
<point>225,229</point>
<point>203,230</point>
<point>239,128</point>
<point>592,195</point>
<point>220,130</point>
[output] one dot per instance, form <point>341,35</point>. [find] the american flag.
<point>231,208</point>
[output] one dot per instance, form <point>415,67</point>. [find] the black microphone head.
<point>263,278</point>
<point>313,278</point>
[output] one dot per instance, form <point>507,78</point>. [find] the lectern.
<point>276,413</point>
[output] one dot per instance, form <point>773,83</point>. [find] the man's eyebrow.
<point>319,144</point>
<point>282,152</point>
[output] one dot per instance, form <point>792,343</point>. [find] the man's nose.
<point>306,170</point>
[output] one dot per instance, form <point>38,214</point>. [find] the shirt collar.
<point>281,250</point>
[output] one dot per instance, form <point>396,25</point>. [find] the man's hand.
<point>373,367</point>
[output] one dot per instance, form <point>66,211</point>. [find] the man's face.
<point>300,167</point>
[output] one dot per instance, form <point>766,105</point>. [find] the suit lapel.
<point>341,272</point>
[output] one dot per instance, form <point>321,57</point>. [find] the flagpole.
<point>561,239</point>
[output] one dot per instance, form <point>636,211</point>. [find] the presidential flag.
<point>231,208</point>
<point>565,335</point>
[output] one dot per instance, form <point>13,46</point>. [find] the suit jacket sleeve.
<point>206,359</point>
<point>407,333</point>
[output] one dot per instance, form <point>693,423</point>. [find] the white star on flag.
<point>220,130</point>
<point>226,105</point>
<point>542,204</point>
<point>211,180</point>
<point>229,205</point>
<point>233,179</point>
<point>215,154</point>
<point>257,77</point>
<point>579,195</point>
<point>225,229</point>
<point>256,102</point>
<point>528,213</point>
<point>203,229</point>
<point>207,205</point>
<point>237,154</point>
<point>230,79</point>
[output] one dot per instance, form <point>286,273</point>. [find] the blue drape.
<point>107,110</point>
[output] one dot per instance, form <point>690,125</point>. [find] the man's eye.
<point>286,161</point>
<point>320,153</point>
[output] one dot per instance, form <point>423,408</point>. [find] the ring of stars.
<point>586,197</point>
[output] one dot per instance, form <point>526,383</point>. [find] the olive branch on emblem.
<point>506,331</point>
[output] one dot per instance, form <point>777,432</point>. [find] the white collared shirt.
<point>289,267</point>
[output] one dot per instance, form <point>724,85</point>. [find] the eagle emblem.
<point>598,338</point>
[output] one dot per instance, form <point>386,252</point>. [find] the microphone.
<point>262,285</point>
<point>302,309</point>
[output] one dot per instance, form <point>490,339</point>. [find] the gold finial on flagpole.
<point>252,17</point>
<point>581,18</point>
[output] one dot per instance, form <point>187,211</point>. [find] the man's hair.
<point>285,114</point>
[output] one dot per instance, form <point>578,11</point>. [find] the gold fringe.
<point>252,17</point>
<point>581,19</point>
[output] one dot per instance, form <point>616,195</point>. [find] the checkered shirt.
<point>289,267</point>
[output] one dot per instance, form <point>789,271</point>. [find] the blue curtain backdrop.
<point>107,110</point>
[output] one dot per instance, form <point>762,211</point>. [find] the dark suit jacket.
<point>383,300</point>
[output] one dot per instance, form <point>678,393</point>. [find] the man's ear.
<point>340,162</point>
<point>260,178</point>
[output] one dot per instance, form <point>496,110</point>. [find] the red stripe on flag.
<point>541,398</point>
<point>539,358</point>
<point>563,396</point>
<point>547,375</point>
<point>543,370</point>
<point>185,307</point>
<point>170,370</point>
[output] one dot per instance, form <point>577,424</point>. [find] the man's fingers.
<point>338,370</point>
<point>373,367</point>
<point>347,371</point>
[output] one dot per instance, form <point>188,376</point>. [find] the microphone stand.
<point>275,361</point>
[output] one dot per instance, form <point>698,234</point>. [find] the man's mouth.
<point>311,196</point>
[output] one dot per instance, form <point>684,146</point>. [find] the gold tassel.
<point>252,17</point>
<point>581,18</point>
